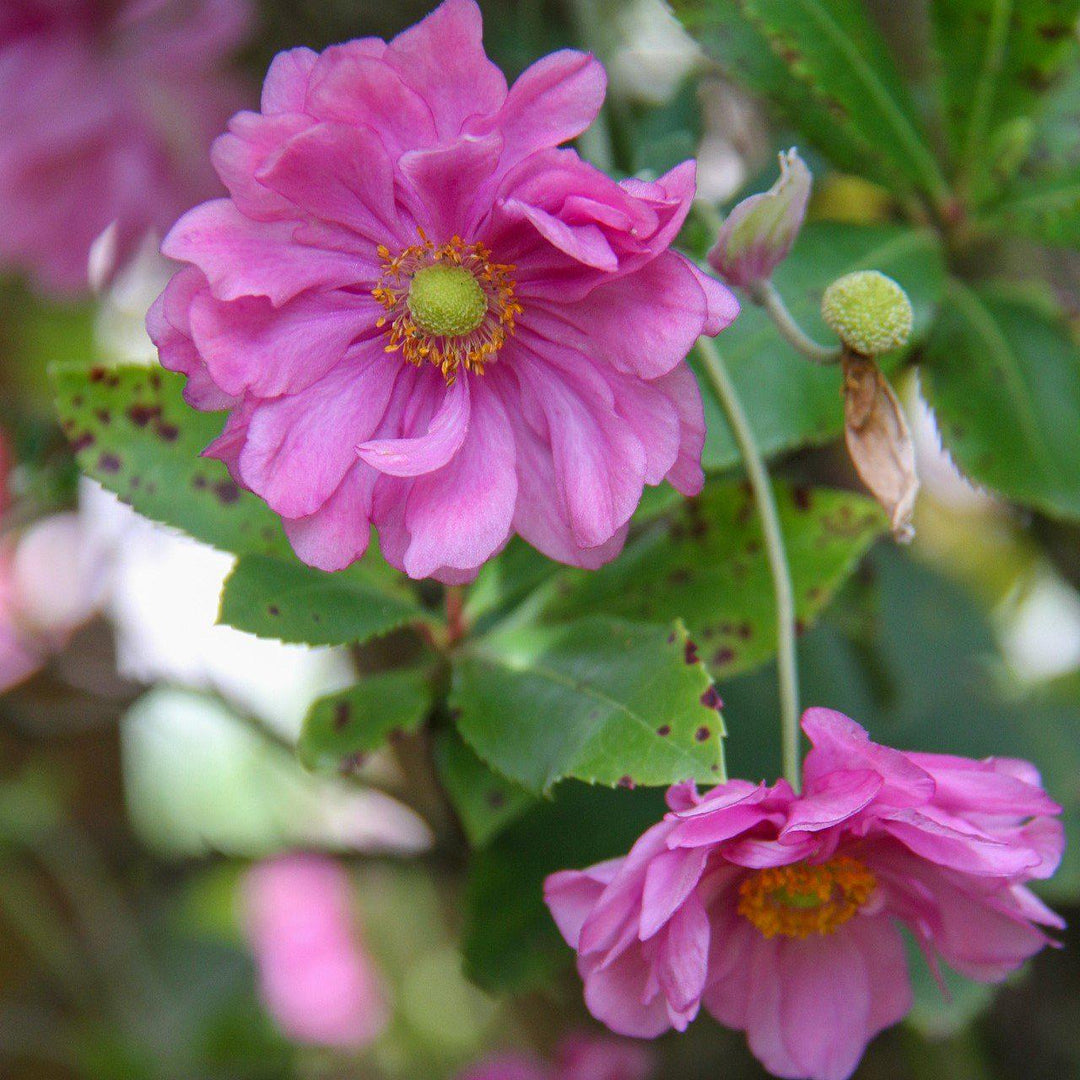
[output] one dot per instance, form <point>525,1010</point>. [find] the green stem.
<point>774,544</point>
<point>765,294</point>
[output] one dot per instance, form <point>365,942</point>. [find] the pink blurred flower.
<point>581,1057</point>
<point>781,912</point>
<point>109,108</point>
<point>473,335</point>
<point>316,979</point>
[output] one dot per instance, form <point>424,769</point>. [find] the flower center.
<point>801,899</point>
<point>446,301</point>
<point>446,305</point>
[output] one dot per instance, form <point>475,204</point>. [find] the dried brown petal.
<point>879,442</point>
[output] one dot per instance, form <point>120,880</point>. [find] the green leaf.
<point>133,432</point>
<point>934,1015</point>
<point>824,66</point>
<point>790,402</point>
<point>485,802</point>
<point>341,728</point>
<point>999,58</point>
<point>599,700</point>
<point>1044,210</point>
<point>707,565</point>
<point>1004,379</point>
<point>288,601</point>
<point>510,941</point>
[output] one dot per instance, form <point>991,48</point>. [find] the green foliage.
<point>288,601</point>
<point>1004,378</point>
<point>132,432</point>
<point>485,802</point>
<point>510,941</point>
<point>998,59</point>
<point>706,564</point>
<point>1044,210</point>
<point>789,402</point>
<point>341,728</point>
<point>598,700</point>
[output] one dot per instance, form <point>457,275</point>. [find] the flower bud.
<point>757,235</point>
<point>870,312</point>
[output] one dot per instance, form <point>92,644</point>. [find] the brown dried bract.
<point>879,442</point>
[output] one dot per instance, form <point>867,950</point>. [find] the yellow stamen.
<point>803,899</point>
<point>418,326</point>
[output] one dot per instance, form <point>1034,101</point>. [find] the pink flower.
<point>109,108</point>
<point>781,913</point>
<point>315,977</point>
<point>473,334</point>
<point>580,1057</point>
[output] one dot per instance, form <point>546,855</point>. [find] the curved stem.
<point>766,295</point>
<point>774,545</point>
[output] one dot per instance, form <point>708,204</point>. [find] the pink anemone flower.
<point>316,979</point>
<point>782,913</point>
<point>424,316</point>
<point>109,109</point>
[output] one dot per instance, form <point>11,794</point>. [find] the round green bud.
<point>446,301</point>
<point>870,312</point>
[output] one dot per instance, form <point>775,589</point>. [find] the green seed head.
<point>870,312</point>
<point>446,301</point>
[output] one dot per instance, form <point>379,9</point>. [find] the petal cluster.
<point>543,416</point>
<point>109,109</point>
<point>781,913</point>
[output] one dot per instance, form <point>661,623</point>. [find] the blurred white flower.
<point>655,53</point>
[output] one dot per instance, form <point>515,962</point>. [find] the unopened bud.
<point>870,312</point>
<point>757,235</point>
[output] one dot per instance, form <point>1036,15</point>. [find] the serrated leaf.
<point>1004,380</point>
<point>599,700</point>
<point>288,601</point>
<point>833,48</point>
<point>486,803</point>
<point>999,58</point>
<point>340,728</point>
<point>706,565</point>
<point>790,402</point>
<point>744,55</point>
<point>133,432</point>
<point>826,68</point>
<point>509,940</point>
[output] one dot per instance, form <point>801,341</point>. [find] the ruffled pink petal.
<point>350,85</point>
<point>252,139</point>
<point>599,461</point>
<point>441,515</point>
<point>621,995</point>
<point>682,961</point>
<point>450,410</point>
<point>299,447</point>
<point>836,799</point>
<point>448,182</point>
<point>442,58</point>
<point>681,388</point>
<point>840,743</point>
<point>242,257</point>
<point>343,175</point>
<point>285,86</point>
<point>669,880</point>
<point>986,787</point>
<point>551,102</point>
<point>571,896</point>
<point>338,533</point>
<point>251,346</point>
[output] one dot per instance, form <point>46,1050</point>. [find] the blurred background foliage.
<point>141,776</point>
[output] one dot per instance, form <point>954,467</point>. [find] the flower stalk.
<point>758,475</point>
<point>766,295</point>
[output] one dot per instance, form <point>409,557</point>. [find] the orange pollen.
<point>802,899</point>
<point>471,350</point>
